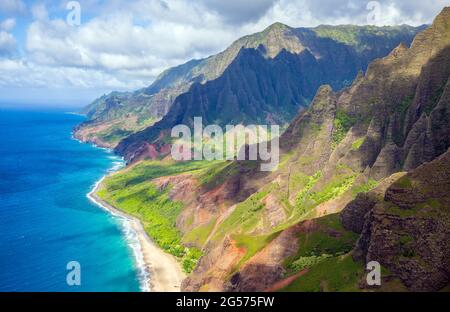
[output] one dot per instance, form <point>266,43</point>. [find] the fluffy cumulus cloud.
<point>299,13</point>
<point>126,44</point>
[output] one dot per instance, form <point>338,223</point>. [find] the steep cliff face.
<point>117,115</point>
<point>406,227</point>
<point>249,78</point>
<point>394,118</point>
<point>283,229</point>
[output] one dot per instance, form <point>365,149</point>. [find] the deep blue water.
<point>46,220</point>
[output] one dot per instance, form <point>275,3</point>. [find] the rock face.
<point>407,230</point>
<point>268,77</point>
<point>393,118</point>
<point>115,116</point>
<point>352,217</point>
<point>265,268</point>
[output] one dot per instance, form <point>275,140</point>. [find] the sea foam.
<point>130,234</point>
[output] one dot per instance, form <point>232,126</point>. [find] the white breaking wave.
<point>130,234</point>
<point>132,239</point>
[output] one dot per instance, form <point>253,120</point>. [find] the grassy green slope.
<point>133,192</point>
<point>325,253</point>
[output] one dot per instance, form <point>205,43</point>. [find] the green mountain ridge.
<point>269,82</point>
<point>363,176</point>
<point>130,112</point>
<point>325,170</point>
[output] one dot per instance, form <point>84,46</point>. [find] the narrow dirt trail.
<point>219,221</point>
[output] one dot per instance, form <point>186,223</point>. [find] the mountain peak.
<point>277,26</point>
<point>437,35</point>
<point>443,19</point>
<point>308,49</point>
<point>275,38</point>
<point>445,11</point>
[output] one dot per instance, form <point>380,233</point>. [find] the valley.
<point>363,173</point>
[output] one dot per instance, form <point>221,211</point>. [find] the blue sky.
<point>124,45</point>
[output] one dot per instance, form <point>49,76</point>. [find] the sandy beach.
<point>165,273</point>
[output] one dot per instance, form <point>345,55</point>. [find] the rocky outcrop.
<point>352,216</point>
<point>384,123</point>
<point>266,267</point>
<point>407,230</point>
<point>392,118</point>
<point>210,273</point>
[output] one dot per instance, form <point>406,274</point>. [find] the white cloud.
<point>7,43</point>
<point>39,12</point>
<point>19,73</point>
<point>126,44</point>
<point>301,13</point>
<point>238,11</point>
<point>164,36</point>
<point>8,24</point>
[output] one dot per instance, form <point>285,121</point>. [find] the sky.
<point>70,52</point>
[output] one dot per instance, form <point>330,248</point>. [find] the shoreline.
<point>162,271</point>
<point>159,271</point>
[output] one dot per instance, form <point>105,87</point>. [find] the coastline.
<point>158,270</point>
<point>161,271</point>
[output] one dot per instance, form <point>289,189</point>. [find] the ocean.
<point>46,219</point>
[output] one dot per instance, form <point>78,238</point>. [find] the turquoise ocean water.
<point>46,220</point>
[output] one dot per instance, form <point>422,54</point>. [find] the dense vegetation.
<point>133,192</point>
<point>342,123</point>
<point>365,42</point>
<point>320,174</point>
<point>339,273</point>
